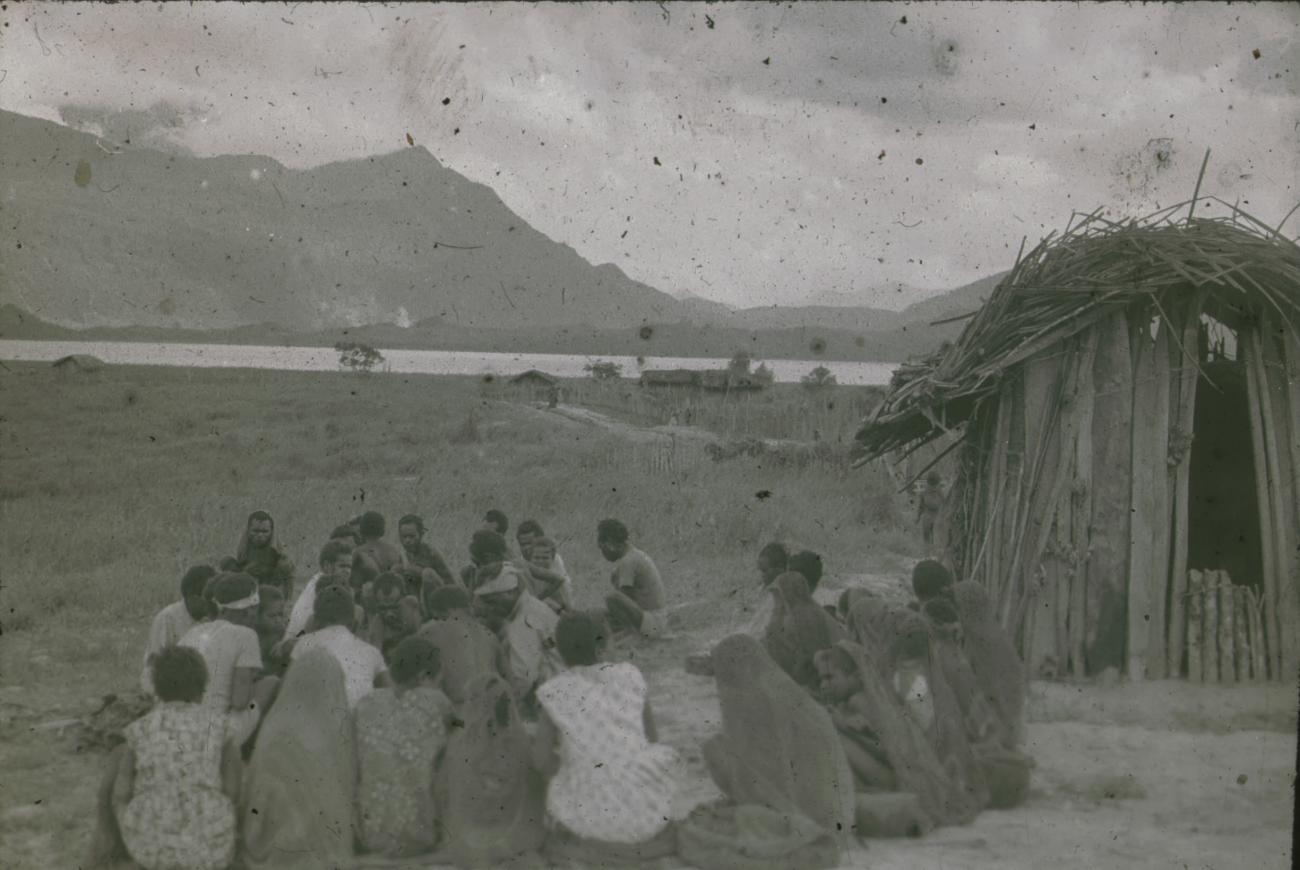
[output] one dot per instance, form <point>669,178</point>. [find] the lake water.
<point>429,362</point>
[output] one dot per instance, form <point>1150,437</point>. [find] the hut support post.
<point>1184,374</point>
<point>1257,398</point>
<point>1081,503</point>
<point>1195,623</point>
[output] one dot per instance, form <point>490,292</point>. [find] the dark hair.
<point>809,564</point>
<point>412,520</point>
<point>611,530</point>
<point>529,527</point>
<point>486,547</point>
<point>372,525</point>
<point>262,516</point>
<point>179,674</point>
<point>776,553</point>
<point>228,587</point>
<point>448,598</point>
<point>579,637</point>
<point>349,532</point>
<point>929,578</point>
<point>196,579</point>
<point>389,580</point>
<point>267,594</point>
<point>333,549</point>
<point>414,657</point>
<point>941,610</point>
<point>498,519</point>
<point>333,606</point>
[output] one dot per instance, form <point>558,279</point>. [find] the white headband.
<point>251,601</point>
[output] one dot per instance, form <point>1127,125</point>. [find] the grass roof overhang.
<point>1071,281</point>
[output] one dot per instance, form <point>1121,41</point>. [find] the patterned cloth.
<point>398,740</point>
<point>178,818</point>
<point>613,785</point>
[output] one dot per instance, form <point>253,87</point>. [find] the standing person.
<point>929,505</point>
<point>171,809</point>
<point>363,665</point>
<point>335,570</point>
<point>993,658</point>
<point>231,652</point>
<point>416,553</point>
<point>637,603</point>
<point>611,788</point>
<point>260,556</point>
<point>171,623</point>
<point>300,783</point>
<point>399,735</point>
<point>525,626</point>
<point>469,650</point>
<point>378,552</point>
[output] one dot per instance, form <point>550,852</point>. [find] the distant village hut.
<point>681,379</point>
<point>536,386</point>
<point>78,363</point>
<point>1129,406</point>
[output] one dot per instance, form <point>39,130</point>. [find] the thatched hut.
<point>1129,406</point>
<point>77,362</point>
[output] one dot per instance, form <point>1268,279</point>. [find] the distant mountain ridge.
<point>106,236</point>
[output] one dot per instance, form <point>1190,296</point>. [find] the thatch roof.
<point>79,361</point>
<point>535,376</point>
<point>1069,282</point>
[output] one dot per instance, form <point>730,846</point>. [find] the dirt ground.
<point>1157,775</point>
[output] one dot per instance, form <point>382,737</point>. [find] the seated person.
<point>755,604</point>
<point>930,579</point>
<point>552,581</point>
<point>993,658</point>
<point>260,557</point>
<point>611,786</point>
<point>171,809</point>
<point>271,621</point>
<point>809,564</point>
<point>363,665</point>
<point>487,549</point>
<point>335,569</point>
<point>469,650</point>
<point>232,654</point>
<point>637,602</point>
<point>496,521</point>
<point>373,547</point>
<point>799,629</point>
<point>391,614</point>
<point>416,553</point>
<point>524,624</point>
<point>400,733</point>
<point>171,623</point>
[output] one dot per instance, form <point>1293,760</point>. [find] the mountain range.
<point>123,241</point>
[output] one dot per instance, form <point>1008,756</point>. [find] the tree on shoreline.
<point>358,357</point>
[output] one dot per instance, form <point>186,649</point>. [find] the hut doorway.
<point>1223,508</point>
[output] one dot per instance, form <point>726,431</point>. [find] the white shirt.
<point>302,609</point>
<point>225,648</point>
<point>360,661</point>
<point>530,641</point>
<point>168,627</point>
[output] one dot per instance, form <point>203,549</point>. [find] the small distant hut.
<point>678,378</point>
<point>727,381</point>
<point>77,363</point>
<point>1128,402</point>
<point>536,385</point>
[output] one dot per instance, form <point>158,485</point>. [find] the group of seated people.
<point>395,709</point>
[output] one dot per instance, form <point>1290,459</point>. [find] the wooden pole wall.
<point>1081,506</point>
<point>1184,375</point>
<point>1255,397</point>
<point>1281,446</point>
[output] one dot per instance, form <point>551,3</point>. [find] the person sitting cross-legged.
<point>637,602</point>
<point>525,625</point>
<point>547,570</point>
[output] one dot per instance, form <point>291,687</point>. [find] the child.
<point>841,691</point>
<point>555,586</point>
<point>168,796</point>
<point>171,623</point>
<point>335,569</point>
<point>391,614</point>
<point>400,733</point>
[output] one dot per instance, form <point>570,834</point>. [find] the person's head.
<point>372,526</point>
<point>260,529</point>
<point>271,618</point>
<point>933,480</point>
<point>487,547</point>
<point>410,529</point>
<point>192,586</point>
<point>179,674</point>
<point>236,598</point>
<point>809,564</point>
<point>497,594</point>
<point>839,675</point>
<point>335,562</point>
<point>929,579</point>
<point>415,661</point>
<point>542,552</point>
<point>526,533</point>
<point>346,533</point>
<point>942,612</point>
<point>773,560</point>
<point>495,521</point>
<point>334,606</point>
<point>612,539</point>
<point>447,600</point>
<point>580,639</point>
<point>388,590</point>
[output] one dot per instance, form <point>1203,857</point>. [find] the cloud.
<point>867,154</point>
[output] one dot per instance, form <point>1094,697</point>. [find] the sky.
<point>752,154</point>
